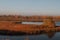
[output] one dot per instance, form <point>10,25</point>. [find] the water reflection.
<point>50,36</point>
<point>43,36</point>
<point>27,38</point>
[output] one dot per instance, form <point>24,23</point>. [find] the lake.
<point>55,36</point>
<point>46,36</point>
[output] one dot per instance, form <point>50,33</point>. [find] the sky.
<point>29,7</point>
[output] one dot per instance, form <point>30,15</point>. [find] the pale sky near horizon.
<point>30,7</point>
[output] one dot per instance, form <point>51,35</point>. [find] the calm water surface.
<point>48,36</point>
<point>56,36</point>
